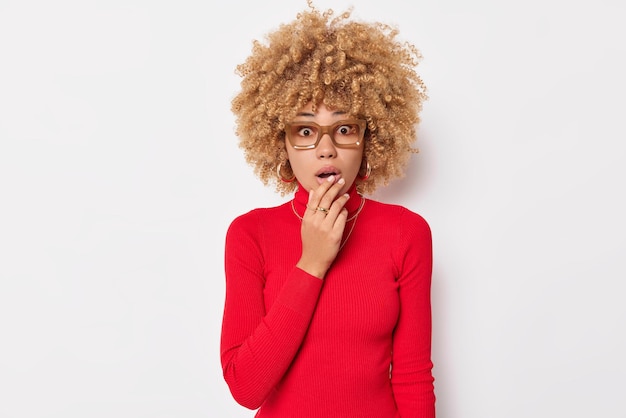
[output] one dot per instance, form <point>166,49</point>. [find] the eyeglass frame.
<point>328,129</point>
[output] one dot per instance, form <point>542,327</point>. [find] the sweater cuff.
<point>300,292</point>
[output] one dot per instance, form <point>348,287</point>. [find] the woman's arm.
<point>257,346</point>
<point>412,378</point>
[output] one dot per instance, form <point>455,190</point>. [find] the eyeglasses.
<point>344,134</point>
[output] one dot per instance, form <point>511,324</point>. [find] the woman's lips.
<point>325,172</point>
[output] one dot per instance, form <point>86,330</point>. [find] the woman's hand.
<point>322,227</point>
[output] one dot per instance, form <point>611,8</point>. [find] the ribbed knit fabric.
<point>355,345</point>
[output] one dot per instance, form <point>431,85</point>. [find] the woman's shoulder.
<point>255,216</point>
<point>394,213</point>
<point>399,225</point>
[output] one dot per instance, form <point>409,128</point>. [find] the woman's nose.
<point>326,148</point>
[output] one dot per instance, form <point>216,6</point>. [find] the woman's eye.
<point>344,129</point>
<point>306,131</point>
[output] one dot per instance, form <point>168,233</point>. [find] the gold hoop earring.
<point>368,171</point>
<point>280,176</point>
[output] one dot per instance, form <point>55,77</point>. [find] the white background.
<point>119,174</point>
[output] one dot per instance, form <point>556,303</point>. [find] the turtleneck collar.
<point>301,197</point>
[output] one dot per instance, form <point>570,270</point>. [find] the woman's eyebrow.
<point>339,112</point>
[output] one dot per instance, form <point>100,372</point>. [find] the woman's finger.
<point>321,199</point>
<point>328,195</point>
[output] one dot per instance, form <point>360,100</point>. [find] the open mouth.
<point>327,171</point>
<point>327,174</point>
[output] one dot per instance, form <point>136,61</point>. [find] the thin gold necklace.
<point>349,232</point>
<point>353,217</point>
<point>347,220</point>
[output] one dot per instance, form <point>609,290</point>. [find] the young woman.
<point>327,311</point>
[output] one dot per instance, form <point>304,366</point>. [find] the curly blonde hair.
<point>357,67</point>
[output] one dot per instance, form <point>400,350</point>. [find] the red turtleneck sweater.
<point>355,345</point>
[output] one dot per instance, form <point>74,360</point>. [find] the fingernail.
<point>331,178</point>
<point>341,181</point>
<point>347,196</point>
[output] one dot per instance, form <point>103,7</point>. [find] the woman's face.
<point>312,166</point>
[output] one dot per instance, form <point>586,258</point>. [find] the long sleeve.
<point>259,344</point>
<point>412,379</point>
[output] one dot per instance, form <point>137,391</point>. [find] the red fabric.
<point>295,346</point>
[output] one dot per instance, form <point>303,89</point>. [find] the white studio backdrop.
<point>120,172</point>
